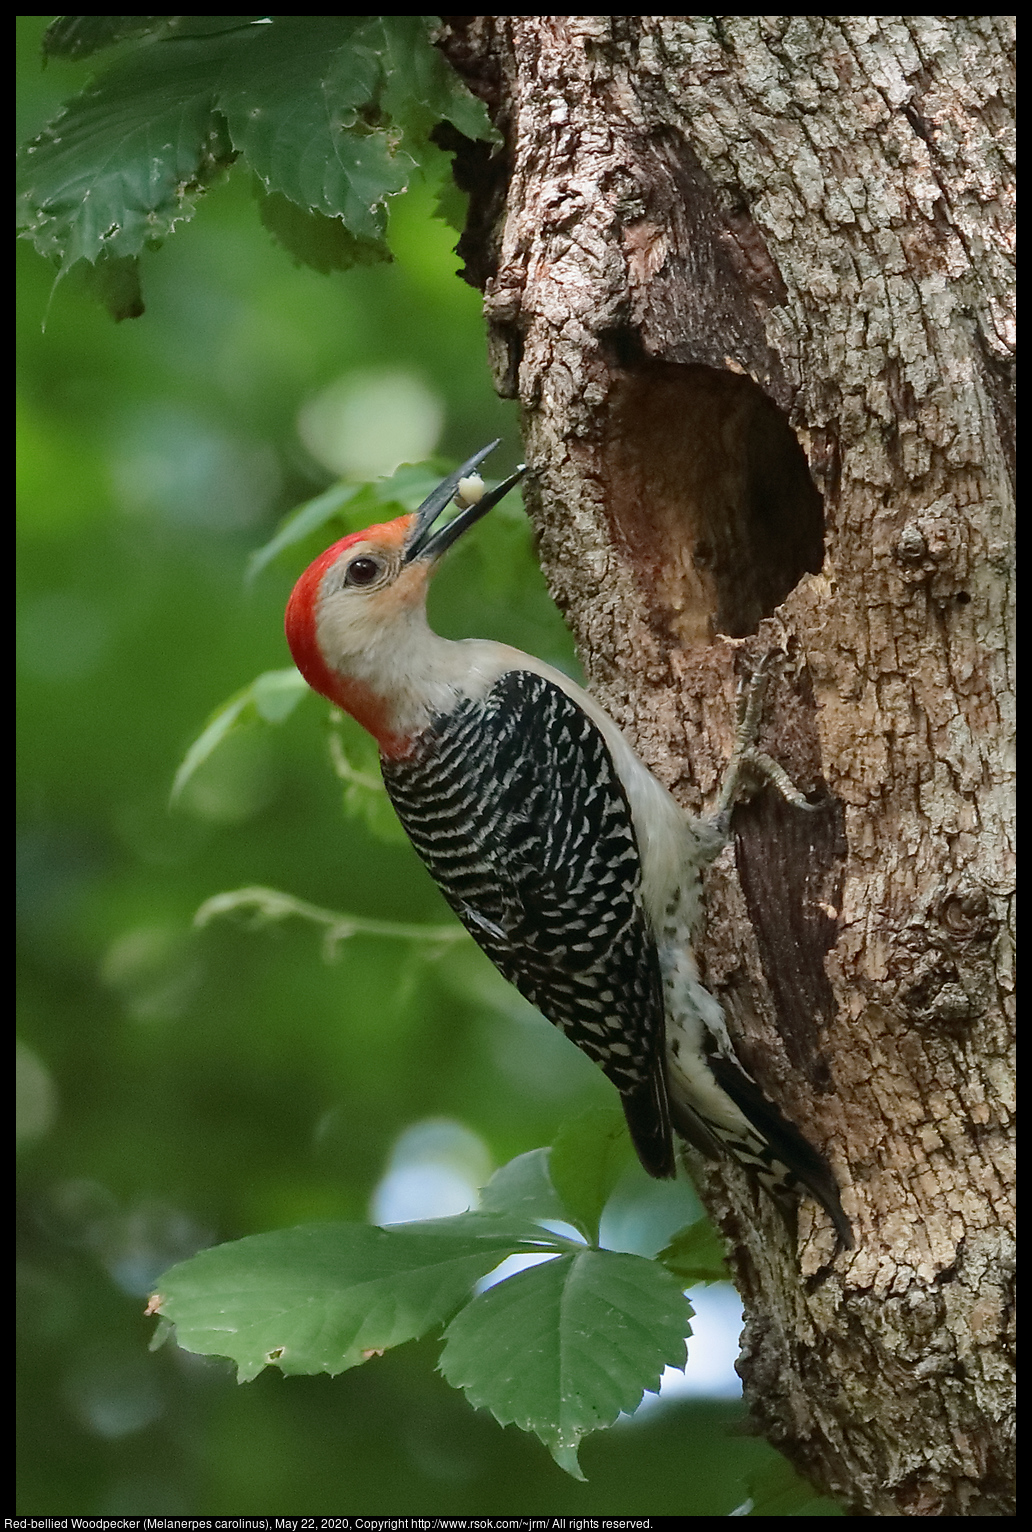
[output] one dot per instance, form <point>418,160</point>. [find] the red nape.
<point>355,697</point>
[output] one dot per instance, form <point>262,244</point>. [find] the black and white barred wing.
<point>514,805</point>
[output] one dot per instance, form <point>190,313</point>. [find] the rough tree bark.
<point>749,278</point>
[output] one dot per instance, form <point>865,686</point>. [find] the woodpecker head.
<point>356,619</point>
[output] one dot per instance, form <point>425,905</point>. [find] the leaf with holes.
<point>332,113</point>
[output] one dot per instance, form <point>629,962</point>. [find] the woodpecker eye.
<point>362,571</point>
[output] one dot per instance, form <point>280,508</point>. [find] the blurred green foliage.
<point>179,1087</point>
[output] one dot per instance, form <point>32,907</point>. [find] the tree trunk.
<point>749,278</point>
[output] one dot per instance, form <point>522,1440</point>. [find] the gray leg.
<point>748,767</point>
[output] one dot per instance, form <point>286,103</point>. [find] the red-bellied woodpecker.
<point>562,855</point>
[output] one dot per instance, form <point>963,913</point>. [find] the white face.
<point>367,566</point>
<point>369,597</point>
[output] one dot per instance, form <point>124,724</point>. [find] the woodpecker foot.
<point>749,768</point>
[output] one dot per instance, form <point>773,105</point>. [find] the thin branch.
<point>264,905</point>
<point>344,769</point>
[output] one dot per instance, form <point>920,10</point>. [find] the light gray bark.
<point>750,278</point>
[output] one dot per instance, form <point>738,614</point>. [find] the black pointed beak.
<point>423,541</point>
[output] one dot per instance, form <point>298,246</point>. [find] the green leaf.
<point>315,240</point>
<point>331,112</point>
<point>302,101</point>
<point>410,483</point>
<point>325,1297</point>
<point>347,508</point>
<point>777,1490</point>
<point>76,37</point>
<point>276,693</point>
<point>563,1348</point>
<point>485,1229</point>
<point>421,87</point>
<point>589,1155</point>
<point>696,1254</point>
<point>451,205</point>
<point>115,283</point>
<point>356,761</point>
<point>307,519</point>
<point>270,698</point>
<point>122,165</point>
<point>376,812</point>
<point>524,1186</point>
